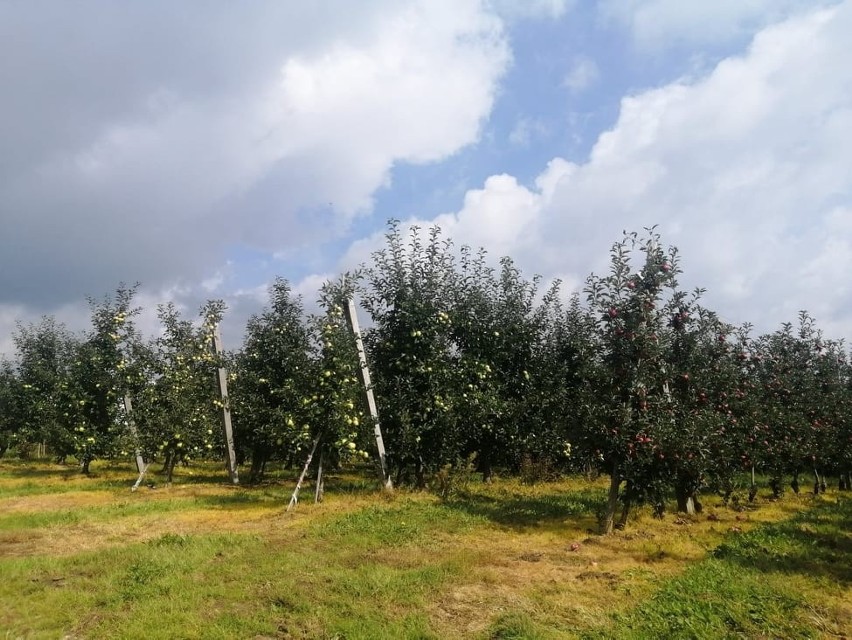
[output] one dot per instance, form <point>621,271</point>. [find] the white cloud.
<point>526,131</point>
<point>736,168</point>
<point>658,24</point>
<point>531,9</point>
<point>746,170</point>
<point>284,135</point>
<point>584,73</point>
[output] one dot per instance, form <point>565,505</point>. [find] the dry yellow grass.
<point>575,578</point>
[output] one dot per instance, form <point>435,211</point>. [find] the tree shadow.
<point>242,499</point>
<point>817,543</point>
<point>520,511</point>
<point>24,473</point>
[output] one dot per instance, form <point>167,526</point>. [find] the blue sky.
<point>204,150</point>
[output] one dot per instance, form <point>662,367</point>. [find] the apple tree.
<point>93,391</point>
<point>830,415</point>
<point>44,351</point>
<point>703,448</point>
<point>785,364</point>
<point>634,409</point>
<point>176,414</point>
<point>336,421</point>
<point>10,405</point>
<point>274,374</point>
<point>407,294</point>
<point>561,387</point>
<point>497,326</point>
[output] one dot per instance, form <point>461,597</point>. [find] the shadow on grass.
<point>815,543</point>
<point>522,511</point>
<point>40,473</point>
<point>241,499</point>
<point>206,478</point>
<point>26,481</point>
<point>102,474</point>
<point>278,490</point>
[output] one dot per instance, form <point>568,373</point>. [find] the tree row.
<point>472,364</point>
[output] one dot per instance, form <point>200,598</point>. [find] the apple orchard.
<point>473,367</point>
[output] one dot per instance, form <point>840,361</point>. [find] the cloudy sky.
<point>202,148</point>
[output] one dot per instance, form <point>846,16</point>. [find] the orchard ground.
<point>83,557</point>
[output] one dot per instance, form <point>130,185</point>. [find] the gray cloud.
<point>142,140</point>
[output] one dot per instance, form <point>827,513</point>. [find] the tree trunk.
<point>775,485</point>
<point>612,501</point>
<point>420,473</point>
<point>686,493</point>
<point>794,484</point>
<point>685,500</point>
<point>591,472</point>
<point>258,464</point>
<point>819,483</point>
<point>485,466</point>
<point>170,467</point>
<point>659,506</point>
<point>625,509</point>
<point>485,458</point>
<point>165,468</point>
<point>84,465</point>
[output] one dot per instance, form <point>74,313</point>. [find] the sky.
<point>204,148</point>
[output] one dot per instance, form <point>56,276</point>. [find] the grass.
<point>201,560</point>
<point>791,579</point>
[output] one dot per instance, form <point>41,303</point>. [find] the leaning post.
<point>141,465</point>
<point>364,374</point>
<point>227,429</point>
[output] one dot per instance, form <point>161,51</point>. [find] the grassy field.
<point>83,557</point>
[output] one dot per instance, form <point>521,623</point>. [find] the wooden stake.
<point>141,465</point>
<point>295,497</point>
<point>320,481</point>
<point>364,374</point>
<point>222,386</point>
<point>142,473</point>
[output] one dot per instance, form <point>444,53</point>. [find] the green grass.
<point>387,526</point>
<point>81,515</point>
<point>22,483</point>
<point>339,577</point>
<point>769,583</point>
<point>516,626</point>
<point>201,561</point>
